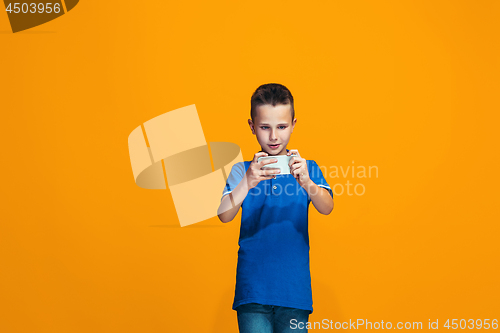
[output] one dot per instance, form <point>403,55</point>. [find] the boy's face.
<point>273,127</point>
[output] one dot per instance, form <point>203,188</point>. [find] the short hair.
<point>271,94</point>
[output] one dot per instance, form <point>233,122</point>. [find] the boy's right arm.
<point>232,201</point>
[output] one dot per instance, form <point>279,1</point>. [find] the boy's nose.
<point>273,136</point>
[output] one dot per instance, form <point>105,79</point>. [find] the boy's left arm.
<point>320,197</point>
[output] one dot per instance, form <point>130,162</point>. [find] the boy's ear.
<point>250,123</point>
<point>293,124</point>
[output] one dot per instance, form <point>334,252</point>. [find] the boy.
<point>273,282</point>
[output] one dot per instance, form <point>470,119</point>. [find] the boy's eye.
<point>264,127</point>
<point>282,127</point>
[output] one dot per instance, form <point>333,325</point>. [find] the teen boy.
<point>273,282</point>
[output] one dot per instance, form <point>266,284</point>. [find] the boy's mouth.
<point>276,146</point>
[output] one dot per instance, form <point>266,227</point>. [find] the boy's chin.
<point>272,152</point>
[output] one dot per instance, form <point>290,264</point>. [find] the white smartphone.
<point>282,163</point>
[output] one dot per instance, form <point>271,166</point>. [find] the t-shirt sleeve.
<point>234,178</point>
<point>317,176</point>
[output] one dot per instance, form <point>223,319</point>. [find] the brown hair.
<point>272,94</point>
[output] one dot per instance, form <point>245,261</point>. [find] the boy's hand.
<point>255,173</point>
<point>298,167</point>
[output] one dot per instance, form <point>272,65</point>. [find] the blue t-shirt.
<point>273,258</point>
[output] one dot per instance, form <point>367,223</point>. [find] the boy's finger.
<point>293,160</point>
<point>295,166</point>
<point>294,152</point>
<point>268,161</point>
<point>270,171</point>
<point>259,154</point>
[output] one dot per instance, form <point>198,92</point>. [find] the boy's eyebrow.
<point>260,124</point>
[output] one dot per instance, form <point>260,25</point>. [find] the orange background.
<point>410,87</point>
